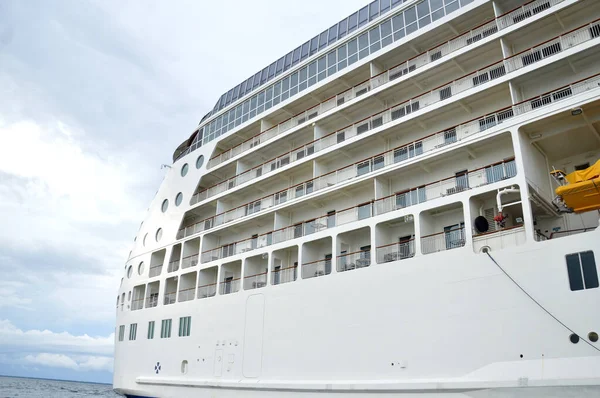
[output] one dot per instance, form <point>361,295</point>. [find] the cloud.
<point>53,360</point>
<point>13,339</point>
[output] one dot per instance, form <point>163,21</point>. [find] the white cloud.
<point>15,339</point>
<point>52,360</point>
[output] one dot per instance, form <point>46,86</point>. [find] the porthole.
<point>129,272</point>
<point>141,268</point>
<point>184,366</point>
<point>184,169</point>
<point>178,199</point>
<point>159,234</point>
<point>593,336</point>
<point>199,161</point>
<point>165,205</point>
<point>144,242</point>
<point>574,338</point>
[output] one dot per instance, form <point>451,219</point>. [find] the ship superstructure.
<point>384,211</point>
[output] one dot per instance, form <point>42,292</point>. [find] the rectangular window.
<point>165,329</point>
<point>582,272</point>
<point>323,39</point>
<point>185,326</point>
<point>150,330</point>
<point>333,34</point>
<point>121,332</point>
<point>364,211</point>
<point>342,28</point>
<point>132,331</point>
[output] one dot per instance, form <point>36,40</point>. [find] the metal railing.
<point>208,290</point>
<point>351,261</point>
<point>396,251</point>
<point>447,240</point>
<point>187,294</point>
<point>255,281</point>
<point>154,271</point>
<point>570,232</point>
<point>525,58</point>
<point>170,298</point>
<point>173,266</point>
<point>228,287</point>
<point>189,261</point>
<point>435,54</point>
<point>317,268</point>
<point>284,275</point>
<point>152,301</point>
<point>396,156</point>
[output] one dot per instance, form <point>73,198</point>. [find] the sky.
<point>94,97</point>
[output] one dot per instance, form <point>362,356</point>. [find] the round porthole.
<point>141,268</point>
<point>574,338</point>
<point>178,199</point>
<point>158,234</point>
<point>184,169</point>
<point>184,367</point>
<point>144,242</point>
<point>129,272</point>
<point>593,336</point>
<point>199,161</point>
<point>165,205</point>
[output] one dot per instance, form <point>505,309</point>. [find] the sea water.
<point>11,387</point>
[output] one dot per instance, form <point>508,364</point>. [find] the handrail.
<point>252,276</point>
<point>444,232</point>
<point>210,284</point>
<point>499,230</point>
<point>462,131</point>
<point>395,243</point>
<point>475,32</point>
<point>357,252</point>
<point>458,85</point>
<point>572,230</point>
<point>286,268</point>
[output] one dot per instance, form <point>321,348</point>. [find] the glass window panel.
<point>314,45</point>
<point>256,81</point>
<point>236,92</point>
<point>386,28</point>
<point>435,4</point>
<point>373,10</point>
<point>277,89</point>
<point>424,21</point>
<point>451,6</point>
<point>411,28</point>
<point>437,14</point>
<point>352,22</point>
<point>303,74</point>
<point>374,39</point>
<point>242,89</point>
<point>363,41</point>
<point>288,61</point>
<point>352,46</point>
<point>342,28</point>
<point>264,74</point>
<point>261,98</point>
<point>272,70</point>
<point>322,64</point>
<point>398,22</point>
<point>294,80</point>
<point>384,6</point>
<point>342,53</point>
<point>249,84</point>
<point>305,48</point>
<point>296,56</point>
<point>312,69</point>
<point>333,34</point>
<point>269,95</point>
<point>574,272</point>
<point>323,40</point>
<point>423,9</point>
<point>399,34</point>
<point>590,273</point>
<point>246,106</point>
<point>285,84</point>
<point>229,95</point>
<point>410,15</point>
<point>396,3</point>
<point>331,58</point>
<point>279,68</point>
<point>363,16</point>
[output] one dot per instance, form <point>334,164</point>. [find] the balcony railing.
<point>435,54</point>
<point>154,271</point>
<point>570,232</point>
<point>317,268</point>
<point>255,281</point>
<point>152,301</point>
<point>447,240</point>
<point>451,185</point>
<point>170,298</point>
<point>187,294</point>
<point>396,251</point>
<point>501,239</point>
<point>208,290</point>
<point>228,287</point>
<point>284,275</point>
<point>173,266</point>
<point>351,261</point>
<point>397,155</point>
<point>189,261</point>
<point>137,304</point>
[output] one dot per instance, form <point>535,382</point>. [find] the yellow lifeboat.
<point>582,190</point>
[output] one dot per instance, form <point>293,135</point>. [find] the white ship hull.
<point>354,263</point>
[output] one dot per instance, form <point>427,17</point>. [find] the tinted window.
<point>410,15</point>
<point>363,16</point>
<point>272,70</point>
<point>342,27</point>
<point>305,48</point>
<point>574,270</point>
<point>288,61</point>
<point>590,273</point>
<point>322,40</point>
<point>314,45</point>
<point>373,10</point>
<point>352,22</point>
<point>332,34</point>
<point>296,56</point>
<point>279,68</point>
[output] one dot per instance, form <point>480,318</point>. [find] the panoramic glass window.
<point>159,233</point>
<point>199,161</point>
<point>178,199</point>
<point>184,169</point>
<point>141,268</point>
<point>165,205</point>
<point>129,271</point>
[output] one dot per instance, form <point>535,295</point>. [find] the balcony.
<point>174,260</point>
<point>396,251</point>
<point>316,258</point>
<point>399,154</point>
<point>285,265</point>
<point>208,290</point>
<point>137,304</point>
<point>441,241</point>
<point>352,261</point>
<point>230,277</point>
<point>436,54</point>
<point>207,282</point>
<point>152,294</point>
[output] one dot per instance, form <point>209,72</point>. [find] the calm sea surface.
<point>11,387</point>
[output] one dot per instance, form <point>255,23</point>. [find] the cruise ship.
<point>405,205</point>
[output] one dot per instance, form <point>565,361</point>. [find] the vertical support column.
<point>318,168</point>
<point>515,93</point>
<point>382,187</point>
<point>282,219</point>
<point>376,68</point>
<point>334,254</point>
<point>222,206</point>
<point>468,220</point>
<point>518,143</point>
<point>318,132</point>
<point>507,50</point>
<point>418,233</point>
<point>497,9</point>
<point>265,125</point>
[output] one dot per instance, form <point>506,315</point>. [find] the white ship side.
<point>374,214</point>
